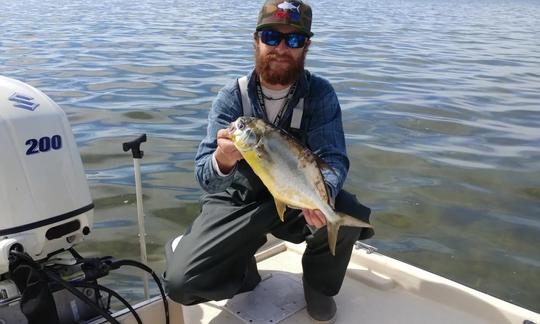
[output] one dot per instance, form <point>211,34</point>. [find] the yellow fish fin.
<point>333,230</point>
<point>280,207</point>
<point>352,221</point>
<point>332,227</point>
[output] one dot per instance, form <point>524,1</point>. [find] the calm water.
<point>441,103</point>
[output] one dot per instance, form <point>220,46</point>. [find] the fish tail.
<point>334,220</point>
<point>352,221</point>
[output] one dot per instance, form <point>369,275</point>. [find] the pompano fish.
<point>290,171</point>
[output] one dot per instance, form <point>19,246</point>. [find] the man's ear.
<point>306,46</point>
<point>255,40</point>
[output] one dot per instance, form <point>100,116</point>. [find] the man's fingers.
<point>223,133</point>
<point>307,216</point>
<point>226,153</point>
<point>224,143</point>
<point>314,218</point>
<point>228,148</point>
<point>320,217</point>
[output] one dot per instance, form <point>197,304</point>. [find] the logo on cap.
<point>288,10</point>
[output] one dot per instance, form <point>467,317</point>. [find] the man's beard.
<point>283,76</point>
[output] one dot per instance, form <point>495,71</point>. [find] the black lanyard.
<point>279,116</point>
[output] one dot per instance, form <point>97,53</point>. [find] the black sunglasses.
<point>273,38</point>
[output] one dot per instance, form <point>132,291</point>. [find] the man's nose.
<point>282,46</point>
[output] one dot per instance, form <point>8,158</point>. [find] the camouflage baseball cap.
<point>293,13</point>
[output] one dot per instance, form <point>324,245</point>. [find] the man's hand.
<point>314,217</point>
<point>226,153</point>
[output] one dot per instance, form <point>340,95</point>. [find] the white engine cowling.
<point>45,203</point>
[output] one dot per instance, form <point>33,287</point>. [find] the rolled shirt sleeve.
<point>226,108</point>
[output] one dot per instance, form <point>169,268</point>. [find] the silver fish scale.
<point>290,166</point>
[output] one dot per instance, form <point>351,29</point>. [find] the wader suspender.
<point>298,111</point>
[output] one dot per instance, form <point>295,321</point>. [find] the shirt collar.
<point>302,89</point>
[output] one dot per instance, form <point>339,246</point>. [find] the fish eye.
<point>241,125</point>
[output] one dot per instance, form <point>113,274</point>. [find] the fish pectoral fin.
<point>280,207</point>
<point>352,221</point>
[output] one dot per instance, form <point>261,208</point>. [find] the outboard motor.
<point>45,203</point>
<point>45,209</point>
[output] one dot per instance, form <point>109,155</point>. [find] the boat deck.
<point>368,295</point>
<point>377,289</point>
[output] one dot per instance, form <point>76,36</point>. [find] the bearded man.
<point>214,260</point>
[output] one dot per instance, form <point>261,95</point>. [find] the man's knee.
<point>178,281</point>
<point>179,288</point>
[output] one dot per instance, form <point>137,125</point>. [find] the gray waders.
<point>215,258</point>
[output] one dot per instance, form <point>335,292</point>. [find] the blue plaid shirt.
<point>321,122</point>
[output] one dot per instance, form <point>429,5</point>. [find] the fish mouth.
<point>232,127</point>
<point>241,131</point>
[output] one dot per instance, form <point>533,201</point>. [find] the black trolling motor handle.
<point>135,146</point>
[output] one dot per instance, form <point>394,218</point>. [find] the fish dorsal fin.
<point>321,187</point>
<point>316,173</point>
<point>323,165</point>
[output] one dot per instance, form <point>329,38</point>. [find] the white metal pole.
<point>140,220</point>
